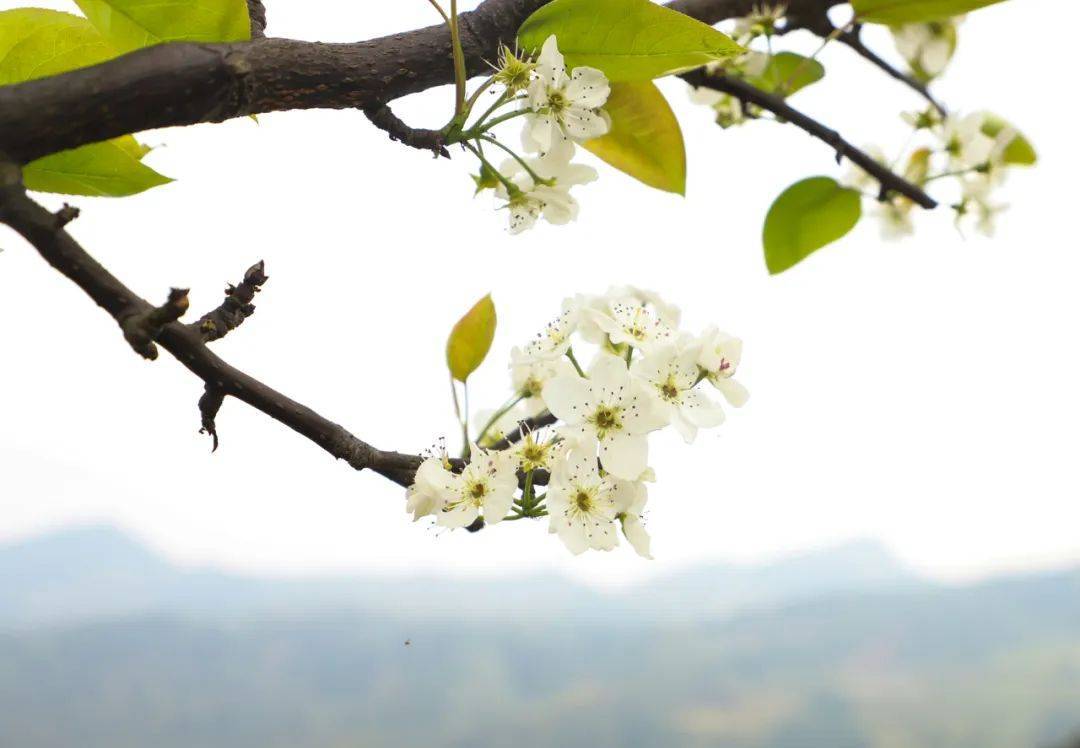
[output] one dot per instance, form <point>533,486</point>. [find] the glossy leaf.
<point>645,140</point>
<point>787,72</point>
<point>807,216</point>
<point>630,40</point>
<point>109,169</point>
<point>35,43</point>
<point>470,340</point>
<point>133,24</point>
<point>1019,151</point>
<point>895,12</point>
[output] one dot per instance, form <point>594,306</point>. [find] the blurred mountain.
<point>91,573</point>
<point>838,649</point>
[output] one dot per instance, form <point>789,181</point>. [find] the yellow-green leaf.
<point>787,72</point>
<point>470,340</point>
<point>133,24</point>
<point>630,40</point>
<point>895,12</point>
<point>645,140</point>
<point>109,169</point>
<point>1019,151</point>
<point>35,43</point>
<point>807,216</point>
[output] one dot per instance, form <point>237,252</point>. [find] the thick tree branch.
<point>740,89</point>
<point>44,232</point>
<point>184,84</point>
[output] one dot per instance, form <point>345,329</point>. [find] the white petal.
<point>573,536</point>
<point>634,530</point>
<point>733,392</point>
<point>550,64</point>
<point>569,398</point>
<point>601,535</point>
<point>625,455</point>
<point>588,88</point>
<point>700,410</point>
<point>497,505</point>
<point>583,124</point>
<point>462,515</point>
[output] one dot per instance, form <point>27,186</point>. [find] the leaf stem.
<point>506,407</point>
<point>459,62</point>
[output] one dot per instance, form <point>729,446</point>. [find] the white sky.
<point>923,393</point>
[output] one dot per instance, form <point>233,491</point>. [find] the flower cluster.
<point>643,375</point>
<point>971,151</point>
<point>561,108</point>
<point>927,47</point>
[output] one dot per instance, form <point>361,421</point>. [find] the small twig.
<point>257,12</point>
<point>66,215</point>
<point>143,328</point>
<point>236,308</point>
<point>740,89</point>
<point>426,140</point>
<point>853,39</point>
<point>209,406</point>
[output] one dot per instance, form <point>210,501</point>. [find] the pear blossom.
<point>628,321</point>
<point>506,423</point>
<point>965,142</point>
<point>551,199</point>
<point>729,110</point>
<point>554,340</point>
<point>581,504</point>
<point>611,410</point>
<point>432,484</point>
<point>762,20</point>
<point>927,47</point>
<point>895,218</point>
<point>719,355</point>
<point>976,201</point>
<point>528,376</point>
<point>668,313</point>
<point>536,451</point>
<point>487,483</point>
<point>630,498</point>
<point>564,106</point>
<point>672,376</point>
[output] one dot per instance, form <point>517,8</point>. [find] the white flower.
<point>719,355</point>
<point>761,20</point>
<point>488,482</point>
<point>895,218</point>
<point>554,340</point>
<point>528,376</point>
<point>927,119</point>
<point>729,110</point>
<point>927,47</point>
<point>668,313</point>
<point>536,452</point>
<point>672,376</point>
<point>628,321</point>
<point>564,106</point>
<point>965,142</point>
<point>609,409</point>
<point>859,179</point>
<point>530,200</point>
<point>581,504</point>
<point>630,498</point>
<point>501,427</point>
<point>976,201</point>
<point>432,484</point>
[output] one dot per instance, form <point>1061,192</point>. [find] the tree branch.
<point>43,231</point>
<point>426,140</point>
<point>185,84</point>
<point>236,308</point>
<point>740,89</point>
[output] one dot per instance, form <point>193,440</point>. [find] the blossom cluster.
<point>643,375</point>
<point>562,108</point>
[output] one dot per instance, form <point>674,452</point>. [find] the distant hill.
<point>95,573</point>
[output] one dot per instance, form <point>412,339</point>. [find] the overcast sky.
<point>923,393</point>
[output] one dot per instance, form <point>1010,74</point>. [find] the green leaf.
<point>787,72</point>
<point>894,12</point>
<point>807,216</point>
<point>133,24</point>
<point>109,169</point>
<point>629,40</point>
<point>470,340</point>
<point>35,43</point>
<point>645,140</point>
<point>1019,151</point>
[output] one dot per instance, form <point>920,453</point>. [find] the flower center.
<point>477,491</point>
<point>606,418</point>
<point>669,389</point>
<point>556,101</point>
<point>583,501</point>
